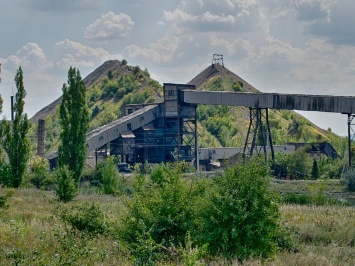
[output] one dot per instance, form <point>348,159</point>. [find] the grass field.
<point>33,233</point>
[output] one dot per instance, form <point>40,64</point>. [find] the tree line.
<point>74,119</point>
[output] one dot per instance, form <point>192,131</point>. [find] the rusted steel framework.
<point>351,139</point>
<point>217,59</point>
<point>259,136</point>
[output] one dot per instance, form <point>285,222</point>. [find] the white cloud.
<point>213,18</point>
<point>31,57</point>
<point>110,27</point>
<point>178,15</point>
<point>61,6</point>
<point>161,51</point>
<point>240,46</point>
<point>70,53</point>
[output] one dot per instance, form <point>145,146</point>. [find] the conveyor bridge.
<point>259,103</point>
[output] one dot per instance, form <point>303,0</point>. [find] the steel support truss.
<point>189,136</point>
<point>351,138</point>
<point>258,138</point>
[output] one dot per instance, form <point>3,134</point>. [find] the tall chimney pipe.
<point>40,134</point>
<point>12,108</point>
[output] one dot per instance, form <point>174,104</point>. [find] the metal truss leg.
<point>351,138</point>
<point>259,135</point>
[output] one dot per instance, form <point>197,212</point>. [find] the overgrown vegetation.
<point>66,188</point>
<point>349,180</point>
<point>74,119</point>
<point>14,139</point>
<point>231,218</point>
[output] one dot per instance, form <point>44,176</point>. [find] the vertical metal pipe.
<point>12,108</point>
<point>349,138</point>
<point>197,157</point>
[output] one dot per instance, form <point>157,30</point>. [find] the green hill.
<point>115,84</point>
<point>229,125</point>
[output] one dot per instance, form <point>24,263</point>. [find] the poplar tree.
<point>16,142</point>
<point>74,121</point>
<point>315,170</point>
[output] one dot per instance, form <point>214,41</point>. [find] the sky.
<point>280,46</point>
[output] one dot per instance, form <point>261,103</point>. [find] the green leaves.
<point>234,215</point>
<point>74,121</point>
<point>66,189</point>
<point>240,217</point>
<point>16,142</point>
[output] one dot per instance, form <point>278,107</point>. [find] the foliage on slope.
<point>115,84</point>
<point>229,125</point>
<point>107,96</point>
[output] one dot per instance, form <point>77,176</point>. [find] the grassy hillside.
<point>109,88</point>
<point>229,125</point>
<point>115,84</point>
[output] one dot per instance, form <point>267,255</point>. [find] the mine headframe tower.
<point>170,137</point>
<point>180,126</point>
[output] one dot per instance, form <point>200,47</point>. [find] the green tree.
<point>1,102</point>
<point>16,142</point>
<point>2,163</point>
<point>109,175</point>
<point>315,170</point>
<point>66,189</point>
<point>74,121</point>
<point>240,217</point>
<point>39,171</point>
<point>299,164</point>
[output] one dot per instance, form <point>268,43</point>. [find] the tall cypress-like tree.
<point>74,120</point>
<point>16,142</point>
<point>315,170</point>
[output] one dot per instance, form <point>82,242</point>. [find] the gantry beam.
<point>320,103</point>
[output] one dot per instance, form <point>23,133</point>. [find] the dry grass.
<point>31,233</point>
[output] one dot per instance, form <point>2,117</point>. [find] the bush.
<point>160,211</point>
<point>136,70</point>
<point>240,218</point>
<point>5,174</point>
<point>110,177</point>
<point>110,74</point>
<point>39,171</point>
<point>66,189</point>
<point>350,180</point>
<point>317,199</point>
<point>3,198</point>
<point>95,111</point>
<point>232,216</point>
<point>86,217</point>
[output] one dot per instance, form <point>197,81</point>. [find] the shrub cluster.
<point>306,199</point>
<point>87,217</point>
<point>349,179</point>
<point>233,215</point>
<point>66,188</point>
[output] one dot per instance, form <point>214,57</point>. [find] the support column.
<point>351,136</point>
<point>259,135</point>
